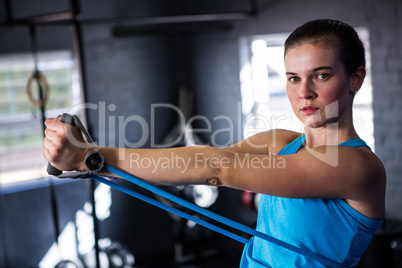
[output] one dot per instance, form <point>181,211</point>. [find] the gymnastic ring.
<point>41,79</point>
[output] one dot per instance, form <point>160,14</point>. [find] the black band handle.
<point>68,119</point>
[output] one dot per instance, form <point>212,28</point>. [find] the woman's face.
<point>317,85</point>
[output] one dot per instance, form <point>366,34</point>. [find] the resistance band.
<point>204,212</point>
<point>70,119</point>
<point>168,208</point>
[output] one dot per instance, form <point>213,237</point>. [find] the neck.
<point>330,134</point>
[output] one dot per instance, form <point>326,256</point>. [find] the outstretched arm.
<point>65,149</point>
<point>301,175</point>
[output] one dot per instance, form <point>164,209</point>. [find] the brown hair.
<point>333,33</point>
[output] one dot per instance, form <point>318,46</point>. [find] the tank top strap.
<point>295,145</point>
<point>355,143</point>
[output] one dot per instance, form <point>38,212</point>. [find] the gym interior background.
<point>124,58</point>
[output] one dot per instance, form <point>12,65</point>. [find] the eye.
<point>322,76</point>
<point>294,79</point>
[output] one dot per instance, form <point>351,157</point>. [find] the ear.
<point>358,79</point>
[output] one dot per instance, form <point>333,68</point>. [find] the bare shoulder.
<point>369,194</point>
<point>361,162</point>
<point>375,171</point>
<point>368,163</point>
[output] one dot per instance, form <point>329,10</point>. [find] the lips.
<point>309,109</point>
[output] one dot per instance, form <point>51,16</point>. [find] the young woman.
<point>327,198</point>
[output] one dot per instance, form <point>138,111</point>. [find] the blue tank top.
<point>327,227</point>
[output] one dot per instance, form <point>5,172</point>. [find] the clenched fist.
<point>64,146</point>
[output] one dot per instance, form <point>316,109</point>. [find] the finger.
<point>53,137</point>
<point>48,148</point>
<point>47,143</point>
<point>44,150</point>
<point>46,154</point>
<point>54,124</point>
<point>48,121</point>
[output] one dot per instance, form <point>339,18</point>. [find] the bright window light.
<point>21,135</point>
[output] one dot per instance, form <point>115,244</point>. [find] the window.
<point>21,135</point>
<point>263,88</point>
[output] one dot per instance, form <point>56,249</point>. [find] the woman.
<point>329,196</point>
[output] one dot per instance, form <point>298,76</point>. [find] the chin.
<point>311,120</point>
<point>331,123</point>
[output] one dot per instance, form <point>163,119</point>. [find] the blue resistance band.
<point>169,209</point>
<point>204,212</point>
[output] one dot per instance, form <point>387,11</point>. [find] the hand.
<point>64,146</point>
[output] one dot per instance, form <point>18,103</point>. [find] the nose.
<point>306,91</point>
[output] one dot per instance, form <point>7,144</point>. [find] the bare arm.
<point>175,166</point>
<point>304,175</point>
<point>301,175</point>
<point>65,149</point>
